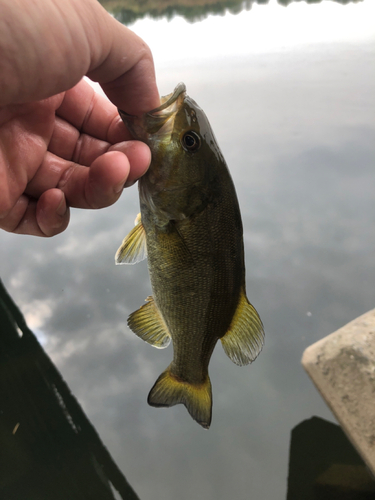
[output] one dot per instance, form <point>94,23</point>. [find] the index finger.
<point>92,114</point>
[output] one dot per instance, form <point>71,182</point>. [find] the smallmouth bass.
<point>190,230</point>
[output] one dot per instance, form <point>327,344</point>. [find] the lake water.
<point>290,94</point>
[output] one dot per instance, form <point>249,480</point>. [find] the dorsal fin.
<point>149,325</point>
<point>245,336</point>
<point>133,249</point>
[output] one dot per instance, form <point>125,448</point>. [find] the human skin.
<point>61,144</point>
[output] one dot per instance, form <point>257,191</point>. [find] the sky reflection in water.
<point>295,122</point>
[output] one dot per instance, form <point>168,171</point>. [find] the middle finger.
<point>68,143</point>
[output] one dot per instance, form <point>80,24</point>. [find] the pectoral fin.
<point>245,336</point>
<point>149,325</point>
<point>133,249</point>
<point>172,243</point>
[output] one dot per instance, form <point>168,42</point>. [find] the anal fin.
<point>149,325</point>
<point>245,337</point>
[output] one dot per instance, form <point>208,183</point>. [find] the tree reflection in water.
<point>129,11</point>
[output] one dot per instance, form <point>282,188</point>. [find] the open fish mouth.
<point>170,99</point>
<point>159,121</point>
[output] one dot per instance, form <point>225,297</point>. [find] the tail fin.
<point>168,390</point>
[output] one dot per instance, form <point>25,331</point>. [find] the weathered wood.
<point>342,366</point>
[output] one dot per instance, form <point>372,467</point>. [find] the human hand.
<point>60,147</point>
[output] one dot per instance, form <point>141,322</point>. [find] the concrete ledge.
<point>342,366</point>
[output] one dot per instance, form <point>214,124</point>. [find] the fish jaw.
<point>158,123</point>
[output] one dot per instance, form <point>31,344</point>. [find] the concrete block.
<point>342,366</point>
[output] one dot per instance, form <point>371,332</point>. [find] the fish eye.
<point>191,141</point>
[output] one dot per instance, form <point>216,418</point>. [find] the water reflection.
<point>296,126</point>
<point>128,12</point>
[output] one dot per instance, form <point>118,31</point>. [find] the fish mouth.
<point>159,121</point>
<point>169,100</point>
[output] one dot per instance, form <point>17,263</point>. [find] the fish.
<point>190,230</point>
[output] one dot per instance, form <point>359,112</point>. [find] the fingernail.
<point>61,209</point>
<point>130,183</point>
<point>119,187</point>
<point>124,184</point>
